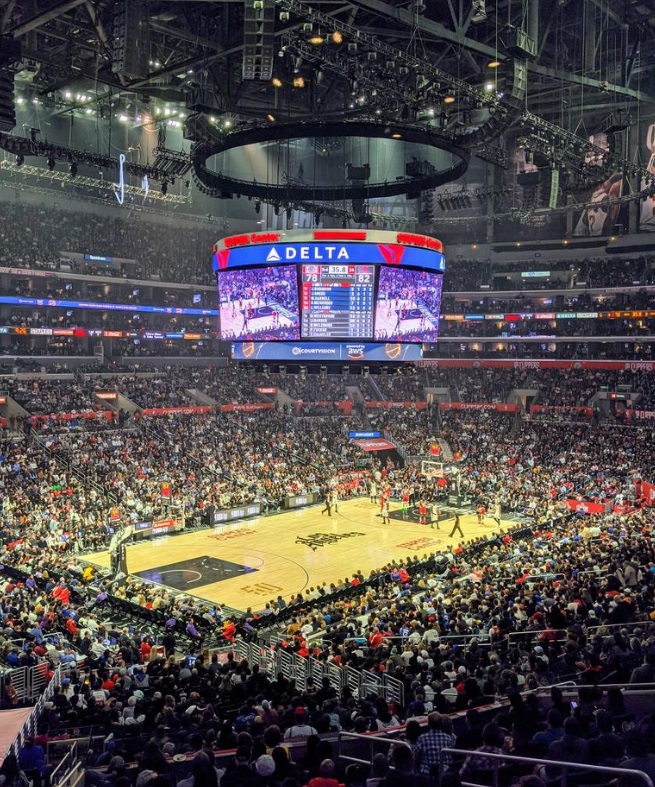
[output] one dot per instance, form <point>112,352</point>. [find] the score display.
<point>337,301</point>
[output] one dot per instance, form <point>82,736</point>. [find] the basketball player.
<point>495,513</point>
<point>435,516</point>
<point>335,500</point>
<point>422,512</point>
<point>481,512</point>
<point>405,503</point>
<point>373,491</point>
<point>456,527</point>
<point>385,511</point>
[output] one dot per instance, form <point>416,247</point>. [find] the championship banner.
<point>166,490</point>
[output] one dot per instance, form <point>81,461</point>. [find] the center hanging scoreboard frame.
<point>338,277</point>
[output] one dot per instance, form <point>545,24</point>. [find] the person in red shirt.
<point>146,647</point>
<point>326,776</point>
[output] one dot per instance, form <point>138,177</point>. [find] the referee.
<point>456,527</point>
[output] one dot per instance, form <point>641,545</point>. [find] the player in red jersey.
<point>422,512</point>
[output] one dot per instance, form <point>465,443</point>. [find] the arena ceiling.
<point>591,57</point>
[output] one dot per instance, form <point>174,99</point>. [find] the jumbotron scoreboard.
<point>329,294</point>
<point>337,301</point>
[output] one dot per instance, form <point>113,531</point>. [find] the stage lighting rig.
<point>21,146</point>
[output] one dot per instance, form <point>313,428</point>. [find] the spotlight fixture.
<point>164,187</point>
<point>50,161</point>
<point>495,63</point>
<point>276,208</point>
<point>449,98</point>
<point>271,118</point>
<point>277,82</point>
<point>317,38</point>
<point>337,37</point>
<point>299,81</point>
<point>20,160</point>
<point>258,206</point>
<point>73,169</point>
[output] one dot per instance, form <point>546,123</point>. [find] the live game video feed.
<point>260,303</point>
<point>408,305</point>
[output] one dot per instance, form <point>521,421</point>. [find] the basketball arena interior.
<point>327,398</point>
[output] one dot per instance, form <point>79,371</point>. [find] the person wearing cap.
<point>300,729</point>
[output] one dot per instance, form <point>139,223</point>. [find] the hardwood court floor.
<point>248,563</point>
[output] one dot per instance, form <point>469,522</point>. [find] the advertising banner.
<point>528,363</point>
<point>218,516</point>
<point>191,410</point>
<point>497,406</point>
<point>324,351</point>
<point>249,407</point>
<point>585,507</point>
<point>297,501</point>
<point>374,445</point>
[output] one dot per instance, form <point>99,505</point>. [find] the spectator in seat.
<point>553,732</point>
<point>404,772</point>
<point>640,758</point>
<point>645,673</point>
<point>326,776</point>
<point>430,744</point>
<point>11,774</point>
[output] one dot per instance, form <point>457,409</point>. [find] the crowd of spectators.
<point>39,237</point>
<point>550,583</point>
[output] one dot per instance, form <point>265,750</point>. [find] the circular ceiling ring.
<point>218,183</point>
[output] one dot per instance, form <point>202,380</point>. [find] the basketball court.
<point>249,563</point>
<point>252,316</point>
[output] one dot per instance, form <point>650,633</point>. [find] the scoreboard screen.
<point>330,286</point>
<point>337,301</point>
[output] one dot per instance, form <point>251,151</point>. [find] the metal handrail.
<point>371,738</point>
<point>577,766</point>
<point>63,766</point>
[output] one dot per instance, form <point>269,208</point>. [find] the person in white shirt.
<point>300,729</point>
